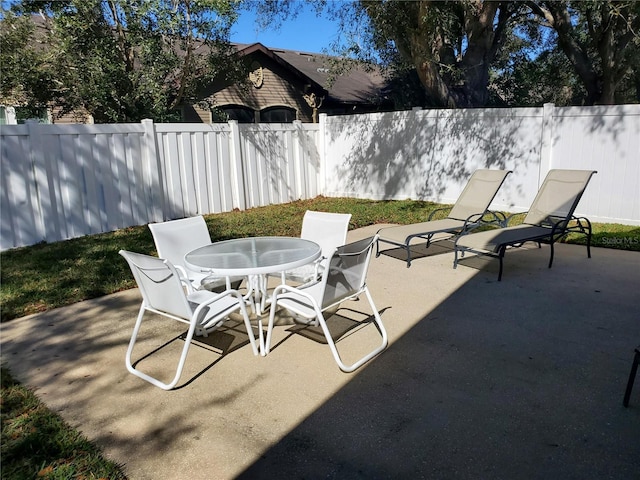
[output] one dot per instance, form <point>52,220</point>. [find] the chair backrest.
<point>329,230</point>
<point>159,284</point>
<point>478,194</point>
<point>175,238</point>
<point>346,272</point>
<point>558,196</point>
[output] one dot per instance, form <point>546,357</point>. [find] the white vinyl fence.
<point>430,154</point>
<point>64,181</point>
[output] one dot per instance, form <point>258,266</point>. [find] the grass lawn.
<point>35,442</point>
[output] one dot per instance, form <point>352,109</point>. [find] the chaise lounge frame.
<point>466,214</point>
<point>550,218</point>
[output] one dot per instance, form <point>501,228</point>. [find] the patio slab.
<point>522,378</point>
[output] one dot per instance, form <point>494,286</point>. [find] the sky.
<point>305,33</point>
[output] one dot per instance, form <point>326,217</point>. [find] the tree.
<point>471,53</point>
<point>119,60</point>
<point>450,45</point>
<point>601,40</point>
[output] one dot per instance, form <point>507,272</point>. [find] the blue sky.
<point>305,33</point>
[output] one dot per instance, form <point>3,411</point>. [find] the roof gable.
<point>355,86</point>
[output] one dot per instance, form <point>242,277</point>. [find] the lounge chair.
<point>632,376</point>
<point>466,213</point>
<point>548,220</point>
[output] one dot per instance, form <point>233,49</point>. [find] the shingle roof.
<point>354,87</point>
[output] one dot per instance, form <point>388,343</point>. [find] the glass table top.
<point>253,256</point>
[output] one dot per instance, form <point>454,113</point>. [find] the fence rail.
<point>65,181</point>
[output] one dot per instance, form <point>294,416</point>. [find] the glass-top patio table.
<point>254,258</point>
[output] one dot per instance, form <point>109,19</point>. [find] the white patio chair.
<point>162,293</point>
<point>329,230</point>
<point>175,238</point>
<point>344,278</point>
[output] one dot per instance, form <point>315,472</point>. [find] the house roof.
<point>355,86</point>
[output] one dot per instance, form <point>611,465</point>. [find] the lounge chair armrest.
<point>496,218</point>
<point>507,218</point>
<point>475,218</point>
<point>583,225</point>
<point>430,217</point>
<point>558,223</point>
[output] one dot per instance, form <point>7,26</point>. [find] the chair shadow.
<point>420,250</point>
<point>222,341</point>
<point>339,327</point>
<point>491,265</point>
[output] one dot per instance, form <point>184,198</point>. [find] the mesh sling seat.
<point>175,238</point>
<point>329,230</point>
<point>466,213</point>
<point>343,279</point>
<point>548,220</point>
<point>163,293</point>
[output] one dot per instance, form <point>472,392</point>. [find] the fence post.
<point>546,142</point>
<point>300,170</point>
<point>237,174</point>
<point>153,173</point>
<point>322,152</point>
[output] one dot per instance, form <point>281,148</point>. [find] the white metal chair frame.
<point>162,293</point>
<point>175,238</point>
<point>343,279</point>
<point>329,230</point>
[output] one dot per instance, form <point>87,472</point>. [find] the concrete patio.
<point>522,378</point>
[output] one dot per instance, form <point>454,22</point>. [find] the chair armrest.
<point>290,289</point>
<point>508,218</point>
<point>430,217</point>
<point>184,278</point>
<point>497,218</point>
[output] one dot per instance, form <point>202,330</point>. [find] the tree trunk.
<point>573,50</point>
<point>479,55</point>
<point>451,81</point>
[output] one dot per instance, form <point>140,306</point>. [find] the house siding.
<point>277,89</point>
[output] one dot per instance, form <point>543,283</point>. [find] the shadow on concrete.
<point>518,379</point>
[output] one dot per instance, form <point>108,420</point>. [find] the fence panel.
<point>606,139</point>
<point>430,154</point>
<point>19,207</point>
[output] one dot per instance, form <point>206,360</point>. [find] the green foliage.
<point>476,53</point>
<point>600,41</point>
<point>118,60</point>
<point>37,443</point>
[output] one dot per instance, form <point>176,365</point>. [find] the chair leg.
<point>367,357</point>
<point>149,378</point>
<point>503,249</point>
<point>632,377</point>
